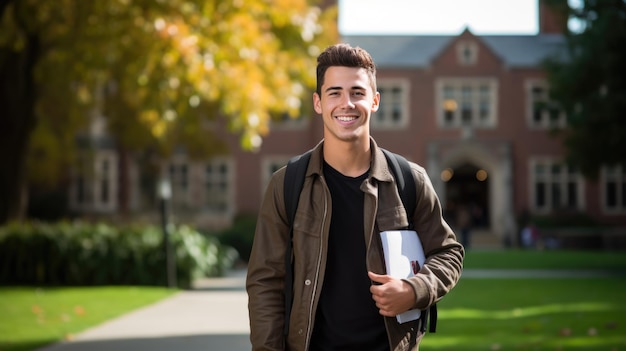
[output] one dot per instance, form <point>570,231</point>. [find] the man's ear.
<point>376,102</point>
<point>317,103</point>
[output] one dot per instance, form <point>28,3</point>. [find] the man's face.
<point>346,103</point>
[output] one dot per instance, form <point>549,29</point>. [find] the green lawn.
<point>535,314</point>
<point>532,314</point>
<point>32,317</point>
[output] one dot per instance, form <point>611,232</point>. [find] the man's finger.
<point>379,278</point>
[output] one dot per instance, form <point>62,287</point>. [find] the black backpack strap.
<point>432,327</point>
<point>404,180</point>
<point>294,180</point>
<point>406,189</point>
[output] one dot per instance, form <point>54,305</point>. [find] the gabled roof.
<point>417,51</point>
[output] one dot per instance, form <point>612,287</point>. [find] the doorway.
<point>467,186</point>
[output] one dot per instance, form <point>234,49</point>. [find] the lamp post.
<point>165,194</point>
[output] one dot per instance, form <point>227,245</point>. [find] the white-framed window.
<point>555,186</point>
<point>94,182</point>
<point>205,186</point>
<point>269,166</point>
<point>393,111</point>
<point>613,180</point>
<point>218,185</point>
<point>178,173</point>
<point>541,112</point>
<point>467,52</point>
<point>466,102</point>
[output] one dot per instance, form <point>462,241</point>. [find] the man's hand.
<point>393,296</point>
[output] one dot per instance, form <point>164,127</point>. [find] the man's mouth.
<point>346,118</point>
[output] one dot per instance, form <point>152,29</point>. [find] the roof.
<point>419,50</point>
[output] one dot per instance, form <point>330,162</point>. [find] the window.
<point>467,102</point>
<point>218,185</point>
<point>393,112</point>
<point>94,183</point>
<point>205,187</point>
<point>542,113</point>
<point>179,178</point>
<point>555,186</point>
<point>467,52</point>
<point>613,180</point>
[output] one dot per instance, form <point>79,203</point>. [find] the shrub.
<point>79,253</point>
<point>240,236</point>
<point>563,220</point>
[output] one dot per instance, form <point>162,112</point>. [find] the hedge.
<point>80,253</point>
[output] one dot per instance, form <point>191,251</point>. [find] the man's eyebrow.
<point>332,88</point>
<point>356,87</point>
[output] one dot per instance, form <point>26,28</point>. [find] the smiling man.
<point>343,299</point>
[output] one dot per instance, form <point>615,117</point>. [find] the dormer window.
<point>467,52</point>
<point>467,102</point>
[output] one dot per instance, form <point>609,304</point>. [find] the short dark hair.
<point>346,56</point>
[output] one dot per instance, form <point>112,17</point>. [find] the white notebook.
<point>404,256</point>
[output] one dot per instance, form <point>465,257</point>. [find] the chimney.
<point>552,17</point>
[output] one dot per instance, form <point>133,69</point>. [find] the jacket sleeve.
<point>266,270</point>
<point>444,254</point>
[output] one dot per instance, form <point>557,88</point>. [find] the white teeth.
<point>345,119</point>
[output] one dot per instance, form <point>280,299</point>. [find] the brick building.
<point>473,110</point>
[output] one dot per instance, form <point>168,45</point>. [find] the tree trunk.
<point>17,100</point>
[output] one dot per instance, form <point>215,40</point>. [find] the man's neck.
<point>350,159</point>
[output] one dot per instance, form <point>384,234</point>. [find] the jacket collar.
<point>379,168</point>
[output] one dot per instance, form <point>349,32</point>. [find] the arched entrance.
<point>478,172</point>
<point>467,186</point>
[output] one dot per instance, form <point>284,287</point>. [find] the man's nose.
<point>347,101</point>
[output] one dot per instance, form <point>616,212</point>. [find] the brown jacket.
<point>383,211</point>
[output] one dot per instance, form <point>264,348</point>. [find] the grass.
<point>532,314</point>
<point>32,317</point>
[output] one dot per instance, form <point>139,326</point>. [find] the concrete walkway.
<point>214,317</point>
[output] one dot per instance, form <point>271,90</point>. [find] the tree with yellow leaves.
<point>157,71</point>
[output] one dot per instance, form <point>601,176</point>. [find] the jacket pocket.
<point>307,224</point>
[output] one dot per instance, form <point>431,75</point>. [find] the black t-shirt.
<point>347,317</point>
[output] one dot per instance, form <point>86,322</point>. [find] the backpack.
<point>294,180</point>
